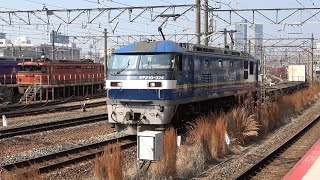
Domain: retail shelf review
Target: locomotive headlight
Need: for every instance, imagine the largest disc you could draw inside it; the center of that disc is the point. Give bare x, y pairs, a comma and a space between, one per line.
152, 84
155, 84
116, 84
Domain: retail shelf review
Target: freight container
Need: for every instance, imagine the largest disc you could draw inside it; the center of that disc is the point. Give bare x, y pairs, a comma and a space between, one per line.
297, 73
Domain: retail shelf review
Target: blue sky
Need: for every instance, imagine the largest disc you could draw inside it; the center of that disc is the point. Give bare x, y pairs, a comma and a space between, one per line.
39, 33
38, 4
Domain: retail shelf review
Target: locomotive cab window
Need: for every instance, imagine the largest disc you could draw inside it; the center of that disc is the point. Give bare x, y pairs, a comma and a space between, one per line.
156, 61
206, 63
120, 61
177, 62
220, 63
245, 64
245, 75
251, 67
29, 68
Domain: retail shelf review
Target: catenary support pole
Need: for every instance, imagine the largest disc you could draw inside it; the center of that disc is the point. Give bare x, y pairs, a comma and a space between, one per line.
206, 26
198, 21
105, 62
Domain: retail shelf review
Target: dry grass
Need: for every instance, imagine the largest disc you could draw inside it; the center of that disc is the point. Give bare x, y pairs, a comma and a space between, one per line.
286, 108
200, 136
219, 146
184, 162
241, 125
166, 167
100, 168
193, 156
32, 175
108, 165
301, 99
269, 117
206, 142
272, 115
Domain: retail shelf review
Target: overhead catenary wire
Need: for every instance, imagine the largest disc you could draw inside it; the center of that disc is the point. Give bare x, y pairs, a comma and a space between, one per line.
94, 28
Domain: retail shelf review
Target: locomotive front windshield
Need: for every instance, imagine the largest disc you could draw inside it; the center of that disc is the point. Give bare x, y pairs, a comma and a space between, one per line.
31, 68
155, 61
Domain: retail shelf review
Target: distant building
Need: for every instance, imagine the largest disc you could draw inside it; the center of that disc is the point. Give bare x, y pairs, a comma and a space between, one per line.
59, 38
257, 39
3, 40
241, 39
23, 47
241, 36
316, 57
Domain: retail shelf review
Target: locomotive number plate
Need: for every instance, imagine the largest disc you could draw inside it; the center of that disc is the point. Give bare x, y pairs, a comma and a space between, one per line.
152, 77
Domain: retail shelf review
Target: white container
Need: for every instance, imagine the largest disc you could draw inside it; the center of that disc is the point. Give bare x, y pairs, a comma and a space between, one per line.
297, 73
150, 145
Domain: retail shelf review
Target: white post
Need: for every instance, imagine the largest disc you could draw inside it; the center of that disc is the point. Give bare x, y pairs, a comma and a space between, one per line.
4, 121
227, 139
179, 141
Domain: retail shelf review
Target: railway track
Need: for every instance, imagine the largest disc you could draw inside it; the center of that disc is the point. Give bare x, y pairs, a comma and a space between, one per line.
49, 109
6, 133
265, 161
51, 162
15, 107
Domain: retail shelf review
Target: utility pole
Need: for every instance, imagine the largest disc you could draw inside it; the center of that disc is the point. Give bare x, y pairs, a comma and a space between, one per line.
206, 26
198, 21
249, 50
12, 51
225, 37
308, 75
105, 62
262, 66
263, 78
312, 60
53, 57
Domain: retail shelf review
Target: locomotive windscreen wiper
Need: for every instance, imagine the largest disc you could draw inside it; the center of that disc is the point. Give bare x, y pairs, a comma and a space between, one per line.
124, 68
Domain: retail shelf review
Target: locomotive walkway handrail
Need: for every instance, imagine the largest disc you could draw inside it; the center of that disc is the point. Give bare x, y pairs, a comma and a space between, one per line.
6, 77
74, 78
68, 78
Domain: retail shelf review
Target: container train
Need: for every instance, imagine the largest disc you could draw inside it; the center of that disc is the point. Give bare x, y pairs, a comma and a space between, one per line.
149, 84
57, 72
9, 68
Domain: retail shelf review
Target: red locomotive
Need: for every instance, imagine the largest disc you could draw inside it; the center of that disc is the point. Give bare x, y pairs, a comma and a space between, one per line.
278, 71
58, 73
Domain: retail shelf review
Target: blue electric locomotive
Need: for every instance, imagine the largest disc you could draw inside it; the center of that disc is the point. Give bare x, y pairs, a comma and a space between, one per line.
148, 81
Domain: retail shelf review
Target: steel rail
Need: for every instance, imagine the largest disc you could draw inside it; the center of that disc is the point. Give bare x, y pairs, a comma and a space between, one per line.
254, 169
15, 107
51, 162
50, 109
6, 133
